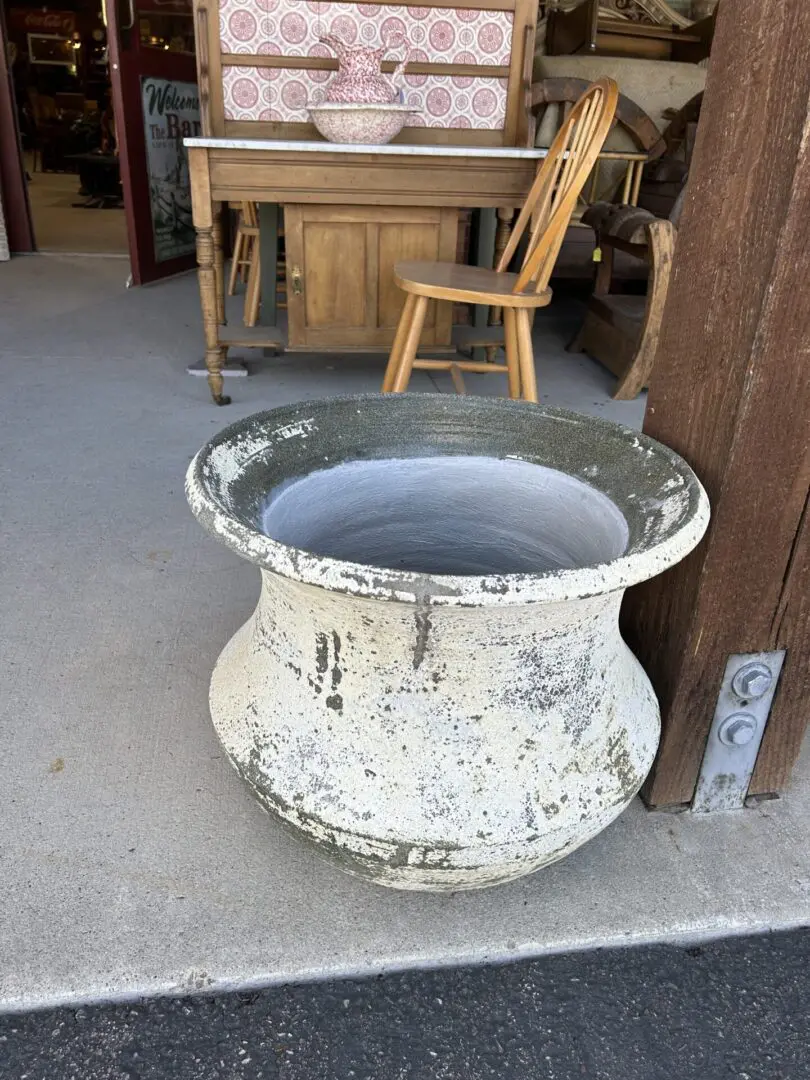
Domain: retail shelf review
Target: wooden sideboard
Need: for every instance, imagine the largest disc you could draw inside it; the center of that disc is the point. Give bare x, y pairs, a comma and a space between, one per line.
352, 212
400, 201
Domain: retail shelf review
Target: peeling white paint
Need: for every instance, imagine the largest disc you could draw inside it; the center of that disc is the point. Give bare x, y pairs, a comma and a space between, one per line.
302, 428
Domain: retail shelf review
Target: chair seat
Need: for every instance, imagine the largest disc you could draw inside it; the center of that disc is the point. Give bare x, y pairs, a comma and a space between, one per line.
466, 284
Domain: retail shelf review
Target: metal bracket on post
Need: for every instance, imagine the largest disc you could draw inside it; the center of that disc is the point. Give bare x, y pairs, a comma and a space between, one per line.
743, 707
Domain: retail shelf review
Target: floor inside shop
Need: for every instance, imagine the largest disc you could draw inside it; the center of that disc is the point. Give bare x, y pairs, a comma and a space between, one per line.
63, 224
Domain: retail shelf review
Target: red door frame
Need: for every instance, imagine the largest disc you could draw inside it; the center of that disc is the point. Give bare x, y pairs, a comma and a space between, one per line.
129, 61
14, 190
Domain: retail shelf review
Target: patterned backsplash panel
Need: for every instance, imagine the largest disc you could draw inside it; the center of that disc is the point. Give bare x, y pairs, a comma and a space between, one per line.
457, 101
292, 28
435, 35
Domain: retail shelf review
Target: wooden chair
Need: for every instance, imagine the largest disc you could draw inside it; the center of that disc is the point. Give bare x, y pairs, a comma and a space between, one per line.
246, 264
620, 330
548, 209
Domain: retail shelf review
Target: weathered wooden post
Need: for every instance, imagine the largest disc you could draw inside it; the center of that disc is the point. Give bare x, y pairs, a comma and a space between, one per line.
731, 393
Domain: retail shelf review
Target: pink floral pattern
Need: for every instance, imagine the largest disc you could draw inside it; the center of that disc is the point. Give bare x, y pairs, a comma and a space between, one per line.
295, 25
435, 35
440, 100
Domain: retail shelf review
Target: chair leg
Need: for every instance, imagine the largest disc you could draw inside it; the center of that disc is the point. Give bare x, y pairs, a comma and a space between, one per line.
410, 345
235, 262
527, 373
254, 286
247, 254
512, 352
458, 379
399, 340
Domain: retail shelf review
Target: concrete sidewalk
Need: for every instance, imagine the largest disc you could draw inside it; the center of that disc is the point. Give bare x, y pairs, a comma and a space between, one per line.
132, 859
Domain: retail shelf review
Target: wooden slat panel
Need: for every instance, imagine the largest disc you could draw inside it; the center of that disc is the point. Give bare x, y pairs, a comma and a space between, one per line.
207, 26
372, 273
416, 136
516, 124
334, 297
730, 392
359, 180
356, 180
427, 215
448, 252
471, 5
323, 63
399, 241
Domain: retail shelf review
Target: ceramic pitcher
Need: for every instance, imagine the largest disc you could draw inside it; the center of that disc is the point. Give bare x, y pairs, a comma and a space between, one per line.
360, 79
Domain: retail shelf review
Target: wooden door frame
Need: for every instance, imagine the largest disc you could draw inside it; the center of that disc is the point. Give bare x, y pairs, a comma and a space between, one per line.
730, 391
16, 208
130, 62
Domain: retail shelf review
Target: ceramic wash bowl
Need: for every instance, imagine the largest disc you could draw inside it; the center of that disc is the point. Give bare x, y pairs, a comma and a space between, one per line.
343, 122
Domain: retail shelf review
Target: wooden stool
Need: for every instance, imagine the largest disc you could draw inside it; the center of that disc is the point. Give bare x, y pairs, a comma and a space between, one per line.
246, 263
548, 209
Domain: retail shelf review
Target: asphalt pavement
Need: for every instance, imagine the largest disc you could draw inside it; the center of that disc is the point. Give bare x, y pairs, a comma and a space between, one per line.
730, 1010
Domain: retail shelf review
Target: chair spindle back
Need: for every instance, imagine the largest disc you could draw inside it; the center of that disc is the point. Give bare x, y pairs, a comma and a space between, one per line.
553, 195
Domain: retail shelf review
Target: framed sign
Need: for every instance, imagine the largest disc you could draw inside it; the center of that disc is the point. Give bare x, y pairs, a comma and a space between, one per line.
171, 113
53, 50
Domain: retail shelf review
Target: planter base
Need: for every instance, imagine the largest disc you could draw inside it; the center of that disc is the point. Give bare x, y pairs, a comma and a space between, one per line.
527, 770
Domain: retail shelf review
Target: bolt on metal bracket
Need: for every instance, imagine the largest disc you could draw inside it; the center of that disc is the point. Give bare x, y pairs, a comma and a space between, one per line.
743, 707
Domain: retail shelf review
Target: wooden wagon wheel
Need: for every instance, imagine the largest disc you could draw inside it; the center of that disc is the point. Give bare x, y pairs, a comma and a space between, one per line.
566, 91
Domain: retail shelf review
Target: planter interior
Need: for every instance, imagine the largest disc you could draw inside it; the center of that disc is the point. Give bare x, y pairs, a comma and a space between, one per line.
433, 688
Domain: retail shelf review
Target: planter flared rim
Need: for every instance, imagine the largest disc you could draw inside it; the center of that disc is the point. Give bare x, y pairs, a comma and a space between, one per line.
474, 590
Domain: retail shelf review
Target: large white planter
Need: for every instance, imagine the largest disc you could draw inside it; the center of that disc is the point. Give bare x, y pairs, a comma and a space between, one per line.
433, 688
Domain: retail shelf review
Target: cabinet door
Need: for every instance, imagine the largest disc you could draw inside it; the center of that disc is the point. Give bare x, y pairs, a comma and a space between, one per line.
341, 292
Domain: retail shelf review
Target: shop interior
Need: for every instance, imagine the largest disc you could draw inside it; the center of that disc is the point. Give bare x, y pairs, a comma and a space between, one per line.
60, 70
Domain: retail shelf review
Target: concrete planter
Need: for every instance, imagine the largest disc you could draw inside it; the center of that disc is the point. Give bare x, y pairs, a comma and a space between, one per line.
433, 688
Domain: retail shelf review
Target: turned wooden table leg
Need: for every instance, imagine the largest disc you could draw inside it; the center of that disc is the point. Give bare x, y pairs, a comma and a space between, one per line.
505, 215
207, 222
219, 259
207, 274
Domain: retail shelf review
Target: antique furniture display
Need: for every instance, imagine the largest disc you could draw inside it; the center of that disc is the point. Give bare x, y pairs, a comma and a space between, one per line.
548, 102
548, 208
650, 91
590, 28
620, 329
467, 80
310, 175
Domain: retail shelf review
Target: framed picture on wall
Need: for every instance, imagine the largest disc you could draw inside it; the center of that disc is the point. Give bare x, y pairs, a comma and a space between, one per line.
52, 49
